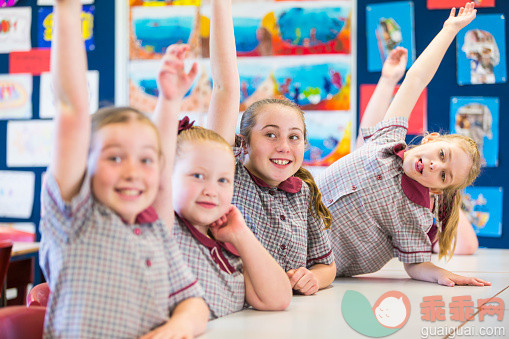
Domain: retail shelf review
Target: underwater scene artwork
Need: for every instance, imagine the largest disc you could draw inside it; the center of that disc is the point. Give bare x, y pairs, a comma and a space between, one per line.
483, 207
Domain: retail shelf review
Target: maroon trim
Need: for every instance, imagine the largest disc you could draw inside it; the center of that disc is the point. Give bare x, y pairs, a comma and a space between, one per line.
147, 216
323, 256
369, 136
396, 248
290, 185
183, 289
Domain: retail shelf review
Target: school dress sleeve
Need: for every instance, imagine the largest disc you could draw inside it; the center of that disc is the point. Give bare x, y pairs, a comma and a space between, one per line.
386, 131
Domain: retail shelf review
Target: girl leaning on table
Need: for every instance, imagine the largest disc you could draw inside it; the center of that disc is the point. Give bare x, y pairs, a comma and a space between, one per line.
112, 266
231, 265
379, 195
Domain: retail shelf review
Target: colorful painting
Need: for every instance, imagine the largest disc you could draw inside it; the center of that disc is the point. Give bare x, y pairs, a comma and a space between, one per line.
478, 118
417, 123
7, 3
328, 139
52, 2
16, 96
16, 194
389, 25
17, 231
483, 208
29, 143
15, 25
45, 34
153, 29
447, 4
481, 51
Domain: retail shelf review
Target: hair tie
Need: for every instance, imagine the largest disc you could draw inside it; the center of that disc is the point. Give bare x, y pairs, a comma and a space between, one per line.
184, 124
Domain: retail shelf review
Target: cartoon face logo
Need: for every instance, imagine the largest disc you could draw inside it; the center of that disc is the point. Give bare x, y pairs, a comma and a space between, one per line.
391, 312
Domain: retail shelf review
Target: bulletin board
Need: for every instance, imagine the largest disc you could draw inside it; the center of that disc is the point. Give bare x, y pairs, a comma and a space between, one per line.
20, 173
444, 92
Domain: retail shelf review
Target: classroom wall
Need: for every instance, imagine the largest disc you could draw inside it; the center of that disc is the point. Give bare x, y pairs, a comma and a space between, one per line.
443, 86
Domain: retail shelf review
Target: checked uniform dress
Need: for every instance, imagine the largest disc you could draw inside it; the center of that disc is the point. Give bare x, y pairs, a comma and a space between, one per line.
378, 212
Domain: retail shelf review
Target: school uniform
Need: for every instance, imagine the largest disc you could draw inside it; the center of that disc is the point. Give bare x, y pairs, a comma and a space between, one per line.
217, 266
107, 279
281, 218
378, 212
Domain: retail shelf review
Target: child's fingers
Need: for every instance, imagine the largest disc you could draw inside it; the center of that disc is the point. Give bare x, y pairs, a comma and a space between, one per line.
446, 282
462, 9
181, 52
453, 12
192, 74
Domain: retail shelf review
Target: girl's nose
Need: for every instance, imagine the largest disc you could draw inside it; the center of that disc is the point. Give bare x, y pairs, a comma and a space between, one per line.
209, 190
283, 146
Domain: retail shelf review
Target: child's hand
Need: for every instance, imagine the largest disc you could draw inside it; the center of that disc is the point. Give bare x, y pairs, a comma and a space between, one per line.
174, 330
173, 82
395, 64
447, 278
229, 226
303, 281
465, 16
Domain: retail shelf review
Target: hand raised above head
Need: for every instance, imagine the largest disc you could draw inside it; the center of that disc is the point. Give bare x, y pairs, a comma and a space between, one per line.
173, 82
465, 16
395, 64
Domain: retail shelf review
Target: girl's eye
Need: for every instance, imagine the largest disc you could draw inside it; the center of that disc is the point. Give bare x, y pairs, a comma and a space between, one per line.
116, 159
294, 137
443, 176
442, 154
197, 176
223, 180
147, 161
270, 135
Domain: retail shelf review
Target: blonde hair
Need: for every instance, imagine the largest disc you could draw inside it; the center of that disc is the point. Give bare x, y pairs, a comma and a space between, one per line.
246, 126
447, 205
200, 134
121, 115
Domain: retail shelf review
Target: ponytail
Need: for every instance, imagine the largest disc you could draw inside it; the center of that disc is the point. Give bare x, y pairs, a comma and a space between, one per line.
447, 209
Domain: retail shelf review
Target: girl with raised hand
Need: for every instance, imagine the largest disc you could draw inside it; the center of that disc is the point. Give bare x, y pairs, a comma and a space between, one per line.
231, 265
276, 195
379, 195
112, 266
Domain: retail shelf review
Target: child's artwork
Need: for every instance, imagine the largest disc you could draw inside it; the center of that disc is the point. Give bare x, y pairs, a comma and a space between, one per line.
483, 207
329, 138
7, 3
34, 61
46, 26
17, 231
481, 51
389, 25
15, 96
318, 27
442, 4
477, 118
153, 29
47, 100
159, 3
314, 83
15, 24
52, 2
16, 194
417, 123
29, 143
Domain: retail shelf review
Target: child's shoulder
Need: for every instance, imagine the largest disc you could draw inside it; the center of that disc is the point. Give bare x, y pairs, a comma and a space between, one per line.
386, 131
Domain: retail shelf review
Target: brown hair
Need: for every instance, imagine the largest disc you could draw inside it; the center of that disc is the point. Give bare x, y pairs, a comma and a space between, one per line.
118, 115
447, 205
200, 134
246, 125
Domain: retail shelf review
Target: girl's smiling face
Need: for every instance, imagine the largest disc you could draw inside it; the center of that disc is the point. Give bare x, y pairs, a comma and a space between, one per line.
275, 149
437, 165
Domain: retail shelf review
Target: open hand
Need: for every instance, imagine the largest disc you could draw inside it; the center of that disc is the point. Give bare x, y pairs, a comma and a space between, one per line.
303, 281
451, 279
173, 82
465, 16
395, 64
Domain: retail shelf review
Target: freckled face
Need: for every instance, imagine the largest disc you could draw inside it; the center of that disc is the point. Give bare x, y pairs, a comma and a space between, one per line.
276, 146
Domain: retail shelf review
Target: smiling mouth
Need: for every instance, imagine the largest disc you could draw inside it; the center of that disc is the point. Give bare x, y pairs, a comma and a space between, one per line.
419, 166
280, 162
128, 192
206, 204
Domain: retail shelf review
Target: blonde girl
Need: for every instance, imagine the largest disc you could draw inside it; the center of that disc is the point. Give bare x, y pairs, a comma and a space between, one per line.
112, 266
379, 195
277, 197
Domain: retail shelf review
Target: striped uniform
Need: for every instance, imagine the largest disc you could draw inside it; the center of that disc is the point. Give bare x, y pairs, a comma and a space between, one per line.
378, 211
217, 266
107, 279
281, 219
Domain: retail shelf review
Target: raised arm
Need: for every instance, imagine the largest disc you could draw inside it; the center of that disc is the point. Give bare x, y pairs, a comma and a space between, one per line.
425, 67
392, 72
224, 103
173, 83
72, 121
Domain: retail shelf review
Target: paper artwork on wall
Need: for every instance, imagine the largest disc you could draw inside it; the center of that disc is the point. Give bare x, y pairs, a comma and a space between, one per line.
478, 118
47, 100
15, 96
16, 194
481, 51
389, 25
417, 123
29, 143
45, 31
483, 208
52, 2
15, 29
7, 3
17, 231
447, 4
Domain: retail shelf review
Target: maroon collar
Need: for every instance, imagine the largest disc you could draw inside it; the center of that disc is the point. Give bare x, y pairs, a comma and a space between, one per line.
414, 191
147, 216
206, 241
290, 185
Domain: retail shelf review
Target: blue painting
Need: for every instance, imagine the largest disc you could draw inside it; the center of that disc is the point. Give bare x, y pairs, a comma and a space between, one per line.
389, 25
478, 118
481, 51
483, 207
